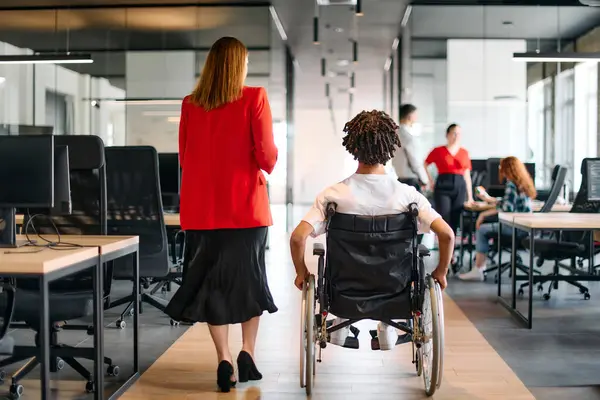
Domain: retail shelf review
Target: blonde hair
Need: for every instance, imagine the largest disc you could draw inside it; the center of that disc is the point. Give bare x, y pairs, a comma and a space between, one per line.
223, 74
514, 170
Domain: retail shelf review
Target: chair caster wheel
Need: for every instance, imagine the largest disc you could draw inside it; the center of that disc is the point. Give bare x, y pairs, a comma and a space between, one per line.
546, 296
163, 289
2, 376
586, 296
131, 312
90, 331
174, 323
540, 288
582, 291
113, 370
16, 391
121, 324
60, 364
521, 292
90, 387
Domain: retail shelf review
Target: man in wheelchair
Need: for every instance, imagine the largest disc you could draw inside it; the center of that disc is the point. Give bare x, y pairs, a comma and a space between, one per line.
372, 138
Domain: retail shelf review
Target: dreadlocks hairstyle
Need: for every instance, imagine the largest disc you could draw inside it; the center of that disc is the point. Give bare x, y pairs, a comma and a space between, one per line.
371, 137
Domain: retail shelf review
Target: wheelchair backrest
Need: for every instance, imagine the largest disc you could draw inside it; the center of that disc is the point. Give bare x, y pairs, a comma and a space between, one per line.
370, 253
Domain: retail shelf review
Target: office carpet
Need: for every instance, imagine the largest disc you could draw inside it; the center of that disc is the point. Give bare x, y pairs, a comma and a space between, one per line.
559, 357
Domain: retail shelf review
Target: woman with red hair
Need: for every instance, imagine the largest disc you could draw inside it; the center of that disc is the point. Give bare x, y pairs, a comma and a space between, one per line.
518, 193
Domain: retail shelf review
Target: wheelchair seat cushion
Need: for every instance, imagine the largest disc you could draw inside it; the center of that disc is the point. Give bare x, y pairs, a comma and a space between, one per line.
369, 266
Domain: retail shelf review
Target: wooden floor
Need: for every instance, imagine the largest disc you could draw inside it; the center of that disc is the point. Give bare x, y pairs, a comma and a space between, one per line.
472, 369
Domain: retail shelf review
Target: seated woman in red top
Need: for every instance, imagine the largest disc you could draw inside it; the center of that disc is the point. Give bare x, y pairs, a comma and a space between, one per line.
225, 140
453, 185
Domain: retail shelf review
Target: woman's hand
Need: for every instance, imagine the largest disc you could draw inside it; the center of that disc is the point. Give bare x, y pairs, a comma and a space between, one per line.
301, 278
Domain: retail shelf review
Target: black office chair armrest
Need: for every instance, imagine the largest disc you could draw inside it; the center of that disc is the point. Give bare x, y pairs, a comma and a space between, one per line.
318, 249
491, 219
423, 251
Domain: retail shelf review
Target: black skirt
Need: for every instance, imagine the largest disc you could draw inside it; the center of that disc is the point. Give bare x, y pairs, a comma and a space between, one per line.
224, 277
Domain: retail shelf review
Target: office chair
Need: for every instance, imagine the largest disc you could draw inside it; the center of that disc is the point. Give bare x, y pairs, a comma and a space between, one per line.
71, 298
135, 208
568, 245
558, 178
7, 306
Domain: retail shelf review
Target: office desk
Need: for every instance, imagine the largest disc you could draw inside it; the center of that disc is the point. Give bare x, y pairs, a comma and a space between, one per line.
472, 210
533, 223
49, 265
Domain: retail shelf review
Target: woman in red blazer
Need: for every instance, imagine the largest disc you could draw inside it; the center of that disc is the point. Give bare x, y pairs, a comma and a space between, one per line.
225, 140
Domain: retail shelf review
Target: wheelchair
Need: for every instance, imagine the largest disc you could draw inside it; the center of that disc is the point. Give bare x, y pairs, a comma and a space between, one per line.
373, 269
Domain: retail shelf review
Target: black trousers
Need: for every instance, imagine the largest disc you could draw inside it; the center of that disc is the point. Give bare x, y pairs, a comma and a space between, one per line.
449, 195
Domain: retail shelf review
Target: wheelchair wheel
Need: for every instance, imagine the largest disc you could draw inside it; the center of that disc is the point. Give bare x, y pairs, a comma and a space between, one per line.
307, 350
431, 353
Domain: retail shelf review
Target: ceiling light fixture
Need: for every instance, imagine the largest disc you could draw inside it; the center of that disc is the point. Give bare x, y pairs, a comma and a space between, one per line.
139, 101
327, 90
395, 44
278, 23
355, 51
406, 16
343, 63
316, 25
556, 57
358, 8
352, 80
323, 66
47, 59
388, 64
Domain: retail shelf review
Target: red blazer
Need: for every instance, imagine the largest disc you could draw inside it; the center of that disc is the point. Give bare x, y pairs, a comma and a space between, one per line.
222, 152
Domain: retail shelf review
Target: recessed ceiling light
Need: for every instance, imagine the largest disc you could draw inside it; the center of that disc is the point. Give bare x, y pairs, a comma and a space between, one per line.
343, 63
331, 74
339, 30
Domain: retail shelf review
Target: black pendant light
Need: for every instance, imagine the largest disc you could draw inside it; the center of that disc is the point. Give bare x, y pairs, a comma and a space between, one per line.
358, 8
323, 66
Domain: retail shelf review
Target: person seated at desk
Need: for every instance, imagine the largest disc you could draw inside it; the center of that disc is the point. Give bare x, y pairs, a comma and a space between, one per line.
519, 191
372, 139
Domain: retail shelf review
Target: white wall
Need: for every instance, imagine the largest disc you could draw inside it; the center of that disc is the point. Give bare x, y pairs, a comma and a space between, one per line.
320, 160
480, 74
429, 96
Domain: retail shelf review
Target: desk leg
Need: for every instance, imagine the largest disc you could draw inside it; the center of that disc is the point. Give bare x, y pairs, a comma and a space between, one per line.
136, 314
513, 269
471, 231
462, 234
44, 338
499, 270
531, 257
591, 263
99, 329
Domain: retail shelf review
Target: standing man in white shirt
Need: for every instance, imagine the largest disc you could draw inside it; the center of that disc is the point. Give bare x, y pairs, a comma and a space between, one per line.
372, 138
408, 168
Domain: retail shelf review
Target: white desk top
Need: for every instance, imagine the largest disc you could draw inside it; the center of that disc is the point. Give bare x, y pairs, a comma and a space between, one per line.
552, 220
25, 260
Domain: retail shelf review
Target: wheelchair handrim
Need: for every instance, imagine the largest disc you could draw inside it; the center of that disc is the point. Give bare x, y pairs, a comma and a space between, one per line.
303, 337
430, 350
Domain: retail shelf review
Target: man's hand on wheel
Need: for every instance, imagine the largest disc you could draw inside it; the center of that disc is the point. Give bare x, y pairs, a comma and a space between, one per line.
301, 278
439, 274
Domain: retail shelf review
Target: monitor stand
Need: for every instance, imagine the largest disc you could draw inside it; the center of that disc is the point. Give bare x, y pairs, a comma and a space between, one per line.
8, 229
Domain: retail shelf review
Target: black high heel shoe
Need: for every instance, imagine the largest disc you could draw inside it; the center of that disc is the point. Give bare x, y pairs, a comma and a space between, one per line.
247, 369
224, 374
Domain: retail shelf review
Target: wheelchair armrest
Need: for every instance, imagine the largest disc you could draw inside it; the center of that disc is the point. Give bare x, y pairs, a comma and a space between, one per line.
318, 249
423, 251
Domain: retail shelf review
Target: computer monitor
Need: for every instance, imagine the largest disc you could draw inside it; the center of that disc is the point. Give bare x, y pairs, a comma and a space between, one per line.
170, 179
26, 179
593, 179
62, 182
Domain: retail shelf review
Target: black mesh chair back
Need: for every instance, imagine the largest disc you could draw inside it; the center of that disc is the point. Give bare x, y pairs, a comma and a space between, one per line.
7, 306
369, 265
479, 174
135, 207
558, 179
